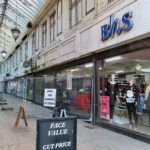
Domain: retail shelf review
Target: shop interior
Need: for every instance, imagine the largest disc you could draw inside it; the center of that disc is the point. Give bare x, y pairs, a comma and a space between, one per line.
123, 72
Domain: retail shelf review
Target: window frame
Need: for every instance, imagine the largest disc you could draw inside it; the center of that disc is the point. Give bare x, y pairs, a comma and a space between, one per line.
44, 34
37, 38
21, 56
90, 10
26, 50
52, 17
59, 1
33, 43
71, 6
110, 1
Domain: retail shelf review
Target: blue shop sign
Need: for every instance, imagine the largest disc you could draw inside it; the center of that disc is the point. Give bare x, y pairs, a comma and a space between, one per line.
116, 26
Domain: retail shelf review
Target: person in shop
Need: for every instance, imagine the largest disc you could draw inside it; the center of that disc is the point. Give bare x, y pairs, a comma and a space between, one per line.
147, 99
131, 102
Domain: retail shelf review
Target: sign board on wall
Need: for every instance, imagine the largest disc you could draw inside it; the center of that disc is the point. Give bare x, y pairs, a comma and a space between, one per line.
50, 97
104, 107
57, 134
117, 26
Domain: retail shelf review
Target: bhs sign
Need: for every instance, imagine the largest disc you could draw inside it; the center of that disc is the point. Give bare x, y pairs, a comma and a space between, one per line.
116, 26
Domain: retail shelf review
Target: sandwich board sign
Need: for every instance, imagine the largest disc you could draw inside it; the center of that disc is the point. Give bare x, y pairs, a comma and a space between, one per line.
57, 134
50, 98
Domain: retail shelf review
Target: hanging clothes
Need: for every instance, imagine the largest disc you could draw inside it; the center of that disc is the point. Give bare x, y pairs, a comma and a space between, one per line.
140, 104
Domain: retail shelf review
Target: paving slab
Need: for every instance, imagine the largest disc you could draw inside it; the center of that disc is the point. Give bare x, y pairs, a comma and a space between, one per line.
88, 137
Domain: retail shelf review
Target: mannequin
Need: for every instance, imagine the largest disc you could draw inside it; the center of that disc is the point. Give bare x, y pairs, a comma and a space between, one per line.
131, 101
112, 94
147, 99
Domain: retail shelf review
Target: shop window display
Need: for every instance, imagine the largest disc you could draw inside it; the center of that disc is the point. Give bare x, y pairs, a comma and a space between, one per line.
74, 89
125, 79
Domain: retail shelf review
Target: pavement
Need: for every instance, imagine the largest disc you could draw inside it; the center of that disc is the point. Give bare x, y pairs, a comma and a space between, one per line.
88, 137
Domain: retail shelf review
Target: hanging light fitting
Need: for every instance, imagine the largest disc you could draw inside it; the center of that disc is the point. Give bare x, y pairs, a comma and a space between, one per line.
15, 31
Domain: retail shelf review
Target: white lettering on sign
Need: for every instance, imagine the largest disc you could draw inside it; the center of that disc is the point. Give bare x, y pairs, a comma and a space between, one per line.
58, 125
63, 144
57, 132
49, 146
57, 145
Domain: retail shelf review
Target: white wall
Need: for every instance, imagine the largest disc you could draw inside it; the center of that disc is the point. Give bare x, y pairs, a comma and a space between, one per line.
85, 38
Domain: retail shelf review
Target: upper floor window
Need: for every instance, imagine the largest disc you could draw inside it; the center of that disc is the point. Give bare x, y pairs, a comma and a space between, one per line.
17, 56
37, 38
90, 5
44, 34
33, 43
13, 61
75, 12
10, 63
26, 50
21, 56
59, 17
1, 69
7, 65
4, 68
109, 1
52, 28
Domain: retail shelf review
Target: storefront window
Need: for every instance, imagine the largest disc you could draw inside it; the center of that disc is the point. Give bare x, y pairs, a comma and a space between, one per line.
11, 87
124, 90
39, 90
30, 88
76, 88
73, 88
20, 86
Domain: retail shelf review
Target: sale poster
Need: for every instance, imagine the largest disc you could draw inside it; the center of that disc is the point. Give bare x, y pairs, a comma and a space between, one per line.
104, 107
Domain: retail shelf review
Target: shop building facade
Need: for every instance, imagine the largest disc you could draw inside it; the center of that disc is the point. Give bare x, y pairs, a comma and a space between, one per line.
96, 53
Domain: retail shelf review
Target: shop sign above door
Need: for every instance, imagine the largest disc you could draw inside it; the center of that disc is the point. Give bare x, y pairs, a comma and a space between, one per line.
116, 26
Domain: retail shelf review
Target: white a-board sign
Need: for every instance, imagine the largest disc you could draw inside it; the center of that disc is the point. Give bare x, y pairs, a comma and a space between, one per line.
50, 97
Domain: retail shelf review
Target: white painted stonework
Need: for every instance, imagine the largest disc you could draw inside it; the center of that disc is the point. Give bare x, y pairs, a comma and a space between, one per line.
85, 38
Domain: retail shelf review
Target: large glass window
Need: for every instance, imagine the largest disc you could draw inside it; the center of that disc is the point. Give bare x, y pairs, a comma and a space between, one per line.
39, 90
44, 34
30, 89
124, 83
75, 87
75, 12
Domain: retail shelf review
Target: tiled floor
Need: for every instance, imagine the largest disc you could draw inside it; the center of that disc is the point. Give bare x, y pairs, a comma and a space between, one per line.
23, 138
